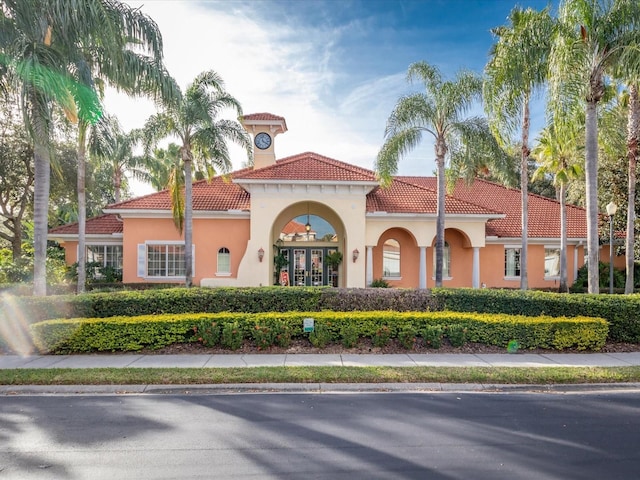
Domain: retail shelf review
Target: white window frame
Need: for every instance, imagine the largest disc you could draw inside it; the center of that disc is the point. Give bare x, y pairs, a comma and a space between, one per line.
512, 247
143, 256
219, 272
551, 247
385, 257
104, 254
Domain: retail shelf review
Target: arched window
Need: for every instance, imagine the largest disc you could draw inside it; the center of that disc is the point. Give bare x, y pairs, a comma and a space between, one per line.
224, 261
446, 261
391, 258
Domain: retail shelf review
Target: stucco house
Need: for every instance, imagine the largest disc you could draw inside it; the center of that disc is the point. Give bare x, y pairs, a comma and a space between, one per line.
299, 209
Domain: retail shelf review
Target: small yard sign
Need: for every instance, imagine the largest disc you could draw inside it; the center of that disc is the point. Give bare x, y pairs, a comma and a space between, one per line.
307, 324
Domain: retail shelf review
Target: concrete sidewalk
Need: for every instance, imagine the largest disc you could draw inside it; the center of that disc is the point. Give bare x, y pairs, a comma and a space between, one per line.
325, 360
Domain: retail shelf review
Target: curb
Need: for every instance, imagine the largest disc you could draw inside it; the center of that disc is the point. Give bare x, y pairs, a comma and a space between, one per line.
311, 388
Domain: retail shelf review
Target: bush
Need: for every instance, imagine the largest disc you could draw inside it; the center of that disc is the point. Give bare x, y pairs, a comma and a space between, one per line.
457, 335
156, 331
320, 336
379, 283
432, 336
208, 333
621, 311
269, 333
381, 336
582, 280
407, 337
232, 336
349, 334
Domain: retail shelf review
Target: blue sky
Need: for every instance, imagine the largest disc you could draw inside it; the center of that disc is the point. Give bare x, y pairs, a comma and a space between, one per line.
334, 69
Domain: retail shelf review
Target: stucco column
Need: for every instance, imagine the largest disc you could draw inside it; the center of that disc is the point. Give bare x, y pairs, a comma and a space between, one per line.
423, 268
369, 274
575, 265
475, 282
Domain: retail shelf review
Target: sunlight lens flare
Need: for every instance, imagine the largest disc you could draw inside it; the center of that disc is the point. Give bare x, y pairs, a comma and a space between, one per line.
14, 327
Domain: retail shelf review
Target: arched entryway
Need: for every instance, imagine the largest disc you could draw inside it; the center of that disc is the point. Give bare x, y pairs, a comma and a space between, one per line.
308, 246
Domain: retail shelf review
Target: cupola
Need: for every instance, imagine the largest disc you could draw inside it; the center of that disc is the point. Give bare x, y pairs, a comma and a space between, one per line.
263, 128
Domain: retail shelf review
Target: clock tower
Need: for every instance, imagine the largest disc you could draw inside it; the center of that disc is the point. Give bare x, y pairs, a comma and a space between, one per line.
263, 127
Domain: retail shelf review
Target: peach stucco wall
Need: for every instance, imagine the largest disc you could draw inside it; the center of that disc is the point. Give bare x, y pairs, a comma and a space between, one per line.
491, 262
208, 237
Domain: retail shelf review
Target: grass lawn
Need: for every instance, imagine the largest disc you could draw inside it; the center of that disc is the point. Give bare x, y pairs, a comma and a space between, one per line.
185, 376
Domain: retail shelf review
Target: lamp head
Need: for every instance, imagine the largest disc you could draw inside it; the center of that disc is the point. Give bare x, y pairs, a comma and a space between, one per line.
612, 208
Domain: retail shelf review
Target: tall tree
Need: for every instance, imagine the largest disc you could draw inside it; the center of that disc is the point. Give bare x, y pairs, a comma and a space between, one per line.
127, 54
115, 150
162, 165
55, 49
203, 137
440, 112
16, 181
517, 67
558, 151
592, 37
36, 39
633, 151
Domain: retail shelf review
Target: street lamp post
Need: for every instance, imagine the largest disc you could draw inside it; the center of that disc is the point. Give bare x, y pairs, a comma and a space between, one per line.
611, 211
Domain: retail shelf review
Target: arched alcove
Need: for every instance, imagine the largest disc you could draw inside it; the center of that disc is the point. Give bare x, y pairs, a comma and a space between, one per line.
308, 239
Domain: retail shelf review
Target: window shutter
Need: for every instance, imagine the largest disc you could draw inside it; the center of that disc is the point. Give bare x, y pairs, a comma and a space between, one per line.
142, 260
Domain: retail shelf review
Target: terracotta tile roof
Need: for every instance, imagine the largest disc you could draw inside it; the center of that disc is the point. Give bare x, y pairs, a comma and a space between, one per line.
293, 227
310, 167
102, 225
263, 116
411, 197
218, 194
544, 213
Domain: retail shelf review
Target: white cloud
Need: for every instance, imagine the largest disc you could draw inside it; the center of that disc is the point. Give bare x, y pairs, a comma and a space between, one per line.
279, 69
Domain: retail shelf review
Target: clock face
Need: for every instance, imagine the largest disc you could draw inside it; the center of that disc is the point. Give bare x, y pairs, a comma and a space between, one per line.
263, 141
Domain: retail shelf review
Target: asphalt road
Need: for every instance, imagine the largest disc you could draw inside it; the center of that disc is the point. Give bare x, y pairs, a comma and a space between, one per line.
471, 436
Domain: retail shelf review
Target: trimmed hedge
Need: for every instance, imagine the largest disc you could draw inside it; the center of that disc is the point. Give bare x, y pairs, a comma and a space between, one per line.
156, 331
621, 311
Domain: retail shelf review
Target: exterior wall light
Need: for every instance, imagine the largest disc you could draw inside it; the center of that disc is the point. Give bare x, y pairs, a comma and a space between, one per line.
261, 254
356, 254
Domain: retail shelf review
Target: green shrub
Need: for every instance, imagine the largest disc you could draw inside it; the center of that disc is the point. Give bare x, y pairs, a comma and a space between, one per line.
232, 336
621, 311
407, 337
271, 332
379, 283
349, 334
208, 333
156, 331
381, 336
321, 336
432, 336
457, 335
582, 280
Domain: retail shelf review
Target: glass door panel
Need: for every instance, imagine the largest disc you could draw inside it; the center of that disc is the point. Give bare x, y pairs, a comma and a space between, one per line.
299, 267
316, 267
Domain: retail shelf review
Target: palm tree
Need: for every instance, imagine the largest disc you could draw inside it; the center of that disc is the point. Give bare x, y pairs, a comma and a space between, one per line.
132, 72
52, 49
35, 42
592, 37
203, 139
439, 111
517, 67
115, 149
633, 151
558, 153
162, 164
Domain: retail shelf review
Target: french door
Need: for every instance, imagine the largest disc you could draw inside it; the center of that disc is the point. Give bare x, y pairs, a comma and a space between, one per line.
306, 266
